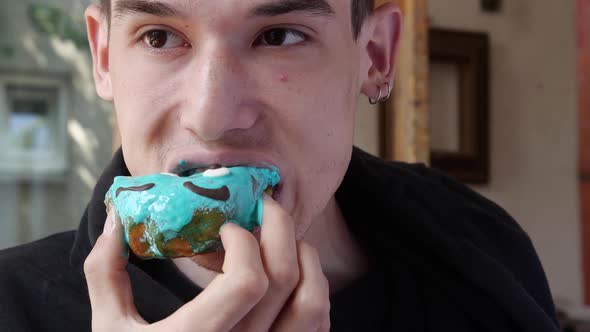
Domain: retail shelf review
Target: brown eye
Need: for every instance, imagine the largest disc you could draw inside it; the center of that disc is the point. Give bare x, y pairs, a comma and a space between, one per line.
163, 39
275, 37
156, 38
281, 37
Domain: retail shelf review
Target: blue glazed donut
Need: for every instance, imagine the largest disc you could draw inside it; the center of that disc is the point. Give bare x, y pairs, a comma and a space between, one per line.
166, 215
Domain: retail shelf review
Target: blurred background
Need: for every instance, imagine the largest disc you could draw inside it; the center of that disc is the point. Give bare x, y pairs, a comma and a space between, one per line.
493, 92
55, 134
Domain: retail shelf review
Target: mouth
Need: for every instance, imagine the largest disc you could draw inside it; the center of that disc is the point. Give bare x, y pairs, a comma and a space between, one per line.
184, 169
188, 171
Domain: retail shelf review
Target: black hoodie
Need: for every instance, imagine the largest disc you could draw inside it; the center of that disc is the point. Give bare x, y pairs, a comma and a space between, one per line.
442, 257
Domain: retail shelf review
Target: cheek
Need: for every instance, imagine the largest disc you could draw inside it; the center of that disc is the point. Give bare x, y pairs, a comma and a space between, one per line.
143, 102
315, 105
143, 94
318, 124
283, 78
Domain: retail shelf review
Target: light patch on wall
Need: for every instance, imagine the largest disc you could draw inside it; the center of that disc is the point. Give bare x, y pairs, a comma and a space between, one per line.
366, 133
444, 107
86, 176
68, 51
84, 138
31, 46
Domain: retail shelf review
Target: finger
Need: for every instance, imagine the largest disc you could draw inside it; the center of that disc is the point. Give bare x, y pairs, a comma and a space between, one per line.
278, 249
108, 283
230, 296
309, 307
325, 327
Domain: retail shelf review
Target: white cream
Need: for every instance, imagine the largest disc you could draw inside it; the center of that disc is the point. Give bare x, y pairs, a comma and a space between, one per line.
217, 172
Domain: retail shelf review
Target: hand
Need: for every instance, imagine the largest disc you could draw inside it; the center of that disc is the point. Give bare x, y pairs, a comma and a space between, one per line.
297, 296
277, 285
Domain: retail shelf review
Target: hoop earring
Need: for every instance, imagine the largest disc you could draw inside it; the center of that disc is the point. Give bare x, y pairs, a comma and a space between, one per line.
388, 92
375, 101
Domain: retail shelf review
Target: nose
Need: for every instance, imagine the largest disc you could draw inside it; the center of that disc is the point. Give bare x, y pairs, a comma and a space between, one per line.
217, 96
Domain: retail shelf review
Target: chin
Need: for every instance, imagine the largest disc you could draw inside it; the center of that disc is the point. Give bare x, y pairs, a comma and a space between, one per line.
302, 226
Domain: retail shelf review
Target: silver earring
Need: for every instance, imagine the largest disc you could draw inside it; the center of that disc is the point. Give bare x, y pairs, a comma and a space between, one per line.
375, 101
388, 92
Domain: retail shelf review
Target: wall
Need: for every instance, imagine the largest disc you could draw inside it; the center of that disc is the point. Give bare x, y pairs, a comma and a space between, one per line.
367, 127
33, 209
533, 124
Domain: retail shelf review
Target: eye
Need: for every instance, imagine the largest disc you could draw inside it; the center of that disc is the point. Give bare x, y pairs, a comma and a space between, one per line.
163, 39
281, 37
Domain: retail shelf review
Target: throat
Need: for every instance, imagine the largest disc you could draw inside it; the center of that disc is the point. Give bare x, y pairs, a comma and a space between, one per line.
342, 258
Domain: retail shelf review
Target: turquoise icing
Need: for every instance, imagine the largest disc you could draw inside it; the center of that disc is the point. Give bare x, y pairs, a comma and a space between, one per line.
171, 206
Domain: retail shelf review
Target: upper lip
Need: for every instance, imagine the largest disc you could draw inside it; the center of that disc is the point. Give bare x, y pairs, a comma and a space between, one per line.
201, 159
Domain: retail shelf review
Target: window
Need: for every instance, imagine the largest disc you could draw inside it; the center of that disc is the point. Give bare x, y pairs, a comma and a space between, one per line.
32, 127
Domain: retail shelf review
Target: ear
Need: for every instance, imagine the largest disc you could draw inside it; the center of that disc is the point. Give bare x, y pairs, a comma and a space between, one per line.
381, 41
98, 38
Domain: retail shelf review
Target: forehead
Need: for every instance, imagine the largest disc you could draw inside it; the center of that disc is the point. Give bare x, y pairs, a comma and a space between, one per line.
252, 8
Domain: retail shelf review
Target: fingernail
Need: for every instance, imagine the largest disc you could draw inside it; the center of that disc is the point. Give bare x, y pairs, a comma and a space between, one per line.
109, 226
227, 224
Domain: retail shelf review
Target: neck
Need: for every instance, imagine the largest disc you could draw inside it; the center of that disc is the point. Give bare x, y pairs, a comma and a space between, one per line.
341, 257
343, 261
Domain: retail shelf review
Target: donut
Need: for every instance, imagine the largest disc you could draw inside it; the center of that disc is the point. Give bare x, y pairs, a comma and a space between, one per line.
168, 216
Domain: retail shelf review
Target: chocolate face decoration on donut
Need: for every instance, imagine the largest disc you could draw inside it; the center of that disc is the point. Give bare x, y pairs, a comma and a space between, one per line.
165, 215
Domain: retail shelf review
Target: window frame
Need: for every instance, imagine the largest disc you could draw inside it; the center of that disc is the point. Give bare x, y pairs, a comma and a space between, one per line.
15, 165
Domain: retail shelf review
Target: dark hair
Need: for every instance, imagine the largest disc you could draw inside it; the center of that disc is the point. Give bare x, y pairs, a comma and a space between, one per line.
360, 10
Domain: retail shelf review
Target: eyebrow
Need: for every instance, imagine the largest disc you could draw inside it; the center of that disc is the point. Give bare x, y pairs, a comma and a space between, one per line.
281, 7
125, 7
274, 8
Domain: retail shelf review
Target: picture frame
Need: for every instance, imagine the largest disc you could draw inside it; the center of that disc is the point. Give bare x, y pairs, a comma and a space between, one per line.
459, 104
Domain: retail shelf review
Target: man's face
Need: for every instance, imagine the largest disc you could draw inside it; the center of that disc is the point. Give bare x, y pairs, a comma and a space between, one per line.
238, 82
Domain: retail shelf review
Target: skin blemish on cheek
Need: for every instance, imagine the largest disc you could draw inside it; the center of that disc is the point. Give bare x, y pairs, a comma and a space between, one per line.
283, 77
